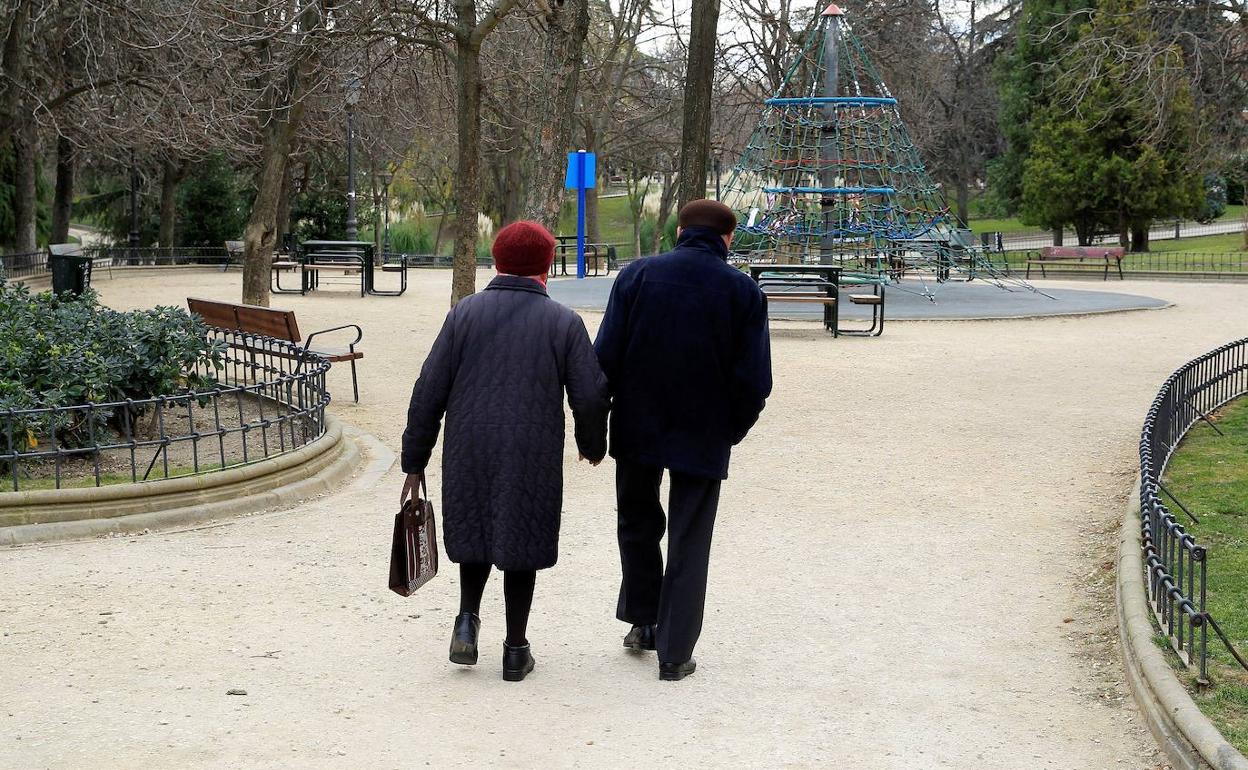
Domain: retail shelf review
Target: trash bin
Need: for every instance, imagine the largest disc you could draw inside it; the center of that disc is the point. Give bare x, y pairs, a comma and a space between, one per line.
70, 273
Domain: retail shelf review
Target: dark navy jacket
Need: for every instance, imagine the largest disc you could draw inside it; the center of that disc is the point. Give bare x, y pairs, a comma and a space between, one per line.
685, 348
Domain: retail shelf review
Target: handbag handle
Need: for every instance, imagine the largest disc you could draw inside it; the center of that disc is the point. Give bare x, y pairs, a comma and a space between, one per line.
424, 491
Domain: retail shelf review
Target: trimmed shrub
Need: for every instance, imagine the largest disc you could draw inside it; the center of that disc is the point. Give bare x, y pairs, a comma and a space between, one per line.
63, 351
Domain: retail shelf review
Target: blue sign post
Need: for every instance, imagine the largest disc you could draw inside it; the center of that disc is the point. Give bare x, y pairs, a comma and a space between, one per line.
582, 175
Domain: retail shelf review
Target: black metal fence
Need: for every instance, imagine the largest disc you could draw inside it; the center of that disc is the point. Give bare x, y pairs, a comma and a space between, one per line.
1181, 264
1175, 564
269, 398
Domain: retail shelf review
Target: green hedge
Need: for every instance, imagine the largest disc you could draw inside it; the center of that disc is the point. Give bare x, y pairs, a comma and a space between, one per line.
58, 351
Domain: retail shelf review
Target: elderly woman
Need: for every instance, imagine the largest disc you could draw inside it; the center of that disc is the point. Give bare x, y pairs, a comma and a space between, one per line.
498, 371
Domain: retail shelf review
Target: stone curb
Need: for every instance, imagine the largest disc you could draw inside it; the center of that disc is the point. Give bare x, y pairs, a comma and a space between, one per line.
295, 482
1186, 736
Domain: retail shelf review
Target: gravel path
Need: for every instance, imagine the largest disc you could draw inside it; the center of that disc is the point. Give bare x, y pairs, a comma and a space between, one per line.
910, 571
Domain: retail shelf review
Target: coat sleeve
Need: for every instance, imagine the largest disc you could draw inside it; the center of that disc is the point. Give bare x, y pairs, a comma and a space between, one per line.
429, 399
587, 393
613, 332
751, 374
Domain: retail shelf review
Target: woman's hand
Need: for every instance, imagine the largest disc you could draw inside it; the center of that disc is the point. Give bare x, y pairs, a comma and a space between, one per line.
410, 485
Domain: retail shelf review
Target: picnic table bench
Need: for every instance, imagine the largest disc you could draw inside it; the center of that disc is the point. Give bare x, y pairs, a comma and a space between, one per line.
817, 284
279, 324
1067, 257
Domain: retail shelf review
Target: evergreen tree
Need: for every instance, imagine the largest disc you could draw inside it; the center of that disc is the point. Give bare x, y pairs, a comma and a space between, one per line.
1025, 78
1118, 158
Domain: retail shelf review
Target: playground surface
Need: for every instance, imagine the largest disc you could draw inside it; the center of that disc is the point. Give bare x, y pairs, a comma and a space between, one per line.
955, 300
911, 569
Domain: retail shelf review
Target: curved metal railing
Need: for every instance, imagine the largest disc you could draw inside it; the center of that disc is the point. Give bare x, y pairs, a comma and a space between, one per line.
268, 398
1175, 564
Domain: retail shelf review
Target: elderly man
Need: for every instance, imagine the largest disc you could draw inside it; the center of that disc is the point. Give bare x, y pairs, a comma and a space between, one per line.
685, 348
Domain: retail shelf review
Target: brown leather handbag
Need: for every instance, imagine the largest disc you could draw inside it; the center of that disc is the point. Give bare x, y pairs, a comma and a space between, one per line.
414, 552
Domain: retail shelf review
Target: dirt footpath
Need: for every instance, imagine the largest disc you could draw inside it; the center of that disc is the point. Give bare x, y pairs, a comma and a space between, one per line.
909, 571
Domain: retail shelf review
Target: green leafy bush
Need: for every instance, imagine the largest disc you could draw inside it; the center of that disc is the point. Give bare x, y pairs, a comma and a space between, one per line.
62, 351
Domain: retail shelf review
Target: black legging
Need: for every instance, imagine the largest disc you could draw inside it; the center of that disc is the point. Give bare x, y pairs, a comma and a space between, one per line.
517, 590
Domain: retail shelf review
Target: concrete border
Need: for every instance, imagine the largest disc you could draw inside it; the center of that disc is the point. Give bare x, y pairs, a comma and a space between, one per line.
311, 470
1186, 736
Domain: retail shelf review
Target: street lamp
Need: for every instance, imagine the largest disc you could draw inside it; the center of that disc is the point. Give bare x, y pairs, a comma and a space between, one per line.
134, 203
717, 158
385, 178
353, 98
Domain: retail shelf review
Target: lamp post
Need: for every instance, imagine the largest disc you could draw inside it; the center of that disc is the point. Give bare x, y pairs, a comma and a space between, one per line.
385, 178
134, 203
296, 186
353, 98
716, 158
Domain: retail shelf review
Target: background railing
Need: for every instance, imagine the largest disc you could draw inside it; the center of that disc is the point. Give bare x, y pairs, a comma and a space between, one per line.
269, 398
1188, 264
1175, 564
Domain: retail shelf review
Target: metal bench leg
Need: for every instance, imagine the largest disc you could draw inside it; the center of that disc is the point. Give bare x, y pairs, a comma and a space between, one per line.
355, 383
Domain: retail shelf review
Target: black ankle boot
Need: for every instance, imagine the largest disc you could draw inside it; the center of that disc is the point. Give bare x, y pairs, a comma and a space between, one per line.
517, 662
464, 639
674, 672
640, 638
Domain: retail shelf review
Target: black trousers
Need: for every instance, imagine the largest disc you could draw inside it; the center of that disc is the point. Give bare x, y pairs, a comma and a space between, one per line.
673, 598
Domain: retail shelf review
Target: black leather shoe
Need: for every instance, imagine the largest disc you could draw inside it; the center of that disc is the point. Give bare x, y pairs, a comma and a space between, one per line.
674, 672
464, 639
517, 662
640, 638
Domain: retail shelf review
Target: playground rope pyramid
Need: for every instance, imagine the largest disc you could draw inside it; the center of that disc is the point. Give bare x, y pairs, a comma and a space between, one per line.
831, 176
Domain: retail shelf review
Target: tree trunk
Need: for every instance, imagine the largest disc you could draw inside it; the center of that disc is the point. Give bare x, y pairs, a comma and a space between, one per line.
567, 24
63, 198
1059, 235
172, 174
963, 193
1139, 237
695, 136
666, 198
1244, 215
592, 228
260, 234
25, 203
468, 162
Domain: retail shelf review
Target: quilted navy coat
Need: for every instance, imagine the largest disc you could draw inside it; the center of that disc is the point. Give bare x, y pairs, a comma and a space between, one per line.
498, 371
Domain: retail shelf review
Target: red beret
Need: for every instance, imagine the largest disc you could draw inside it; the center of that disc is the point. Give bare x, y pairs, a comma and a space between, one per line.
523, 248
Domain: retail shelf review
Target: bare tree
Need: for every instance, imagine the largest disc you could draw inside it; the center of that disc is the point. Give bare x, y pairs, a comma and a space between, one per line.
695, 141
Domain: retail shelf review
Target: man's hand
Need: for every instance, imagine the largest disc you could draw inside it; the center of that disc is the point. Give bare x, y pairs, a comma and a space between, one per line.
580, 458
410, 485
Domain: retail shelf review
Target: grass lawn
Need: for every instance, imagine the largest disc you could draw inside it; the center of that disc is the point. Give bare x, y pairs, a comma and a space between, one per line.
80, 480
1206, 244
1209, 473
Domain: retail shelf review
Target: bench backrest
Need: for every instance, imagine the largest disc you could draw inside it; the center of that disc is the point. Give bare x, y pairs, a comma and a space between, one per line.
247, 318
65, 249
234, 249
1082, 252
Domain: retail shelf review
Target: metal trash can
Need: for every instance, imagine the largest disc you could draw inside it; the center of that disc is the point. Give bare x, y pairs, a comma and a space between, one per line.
70, 273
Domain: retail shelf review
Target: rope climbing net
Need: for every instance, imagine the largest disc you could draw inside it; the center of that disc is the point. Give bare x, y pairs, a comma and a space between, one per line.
832, 176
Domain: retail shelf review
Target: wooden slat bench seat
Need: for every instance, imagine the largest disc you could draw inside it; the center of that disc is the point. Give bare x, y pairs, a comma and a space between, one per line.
1075, 257
279, 324
808, 290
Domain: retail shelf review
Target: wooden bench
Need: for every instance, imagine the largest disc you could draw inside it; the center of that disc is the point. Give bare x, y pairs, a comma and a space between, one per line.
1068, 257
279, 324
807, 290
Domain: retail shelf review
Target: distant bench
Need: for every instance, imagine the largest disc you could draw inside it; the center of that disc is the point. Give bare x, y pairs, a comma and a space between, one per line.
1067, 257
279, 324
